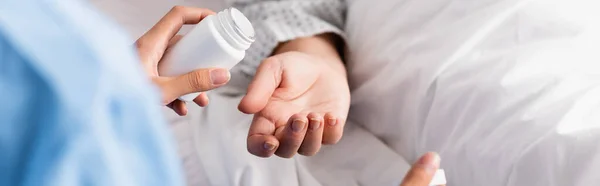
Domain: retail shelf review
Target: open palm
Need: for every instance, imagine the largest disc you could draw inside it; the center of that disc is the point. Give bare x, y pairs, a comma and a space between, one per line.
298, 104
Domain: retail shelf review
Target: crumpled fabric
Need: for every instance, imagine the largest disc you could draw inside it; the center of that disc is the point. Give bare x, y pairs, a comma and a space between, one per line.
507, 91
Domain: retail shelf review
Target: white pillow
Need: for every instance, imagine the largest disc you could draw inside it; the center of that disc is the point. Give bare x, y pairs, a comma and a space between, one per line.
508, 91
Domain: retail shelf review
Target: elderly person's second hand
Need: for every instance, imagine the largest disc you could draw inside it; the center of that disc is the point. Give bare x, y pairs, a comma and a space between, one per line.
423, 171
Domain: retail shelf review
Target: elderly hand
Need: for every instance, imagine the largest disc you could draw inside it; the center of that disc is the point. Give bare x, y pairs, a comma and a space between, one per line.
152, 46
422, 171
299, 102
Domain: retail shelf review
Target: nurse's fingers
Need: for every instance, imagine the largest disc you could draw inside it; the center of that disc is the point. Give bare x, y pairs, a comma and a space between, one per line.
179, 107
153, 43
174, 40
314, 135
196, 81
261, 141
201, 100
151, 67
333, 129
422, 171
291, 135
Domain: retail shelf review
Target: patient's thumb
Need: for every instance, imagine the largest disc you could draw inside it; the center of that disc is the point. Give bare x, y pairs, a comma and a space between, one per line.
422, 171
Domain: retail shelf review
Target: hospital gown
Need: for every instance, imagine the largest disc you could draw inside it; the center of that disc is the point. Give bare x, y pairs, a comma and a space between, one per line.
284, 20
75, 108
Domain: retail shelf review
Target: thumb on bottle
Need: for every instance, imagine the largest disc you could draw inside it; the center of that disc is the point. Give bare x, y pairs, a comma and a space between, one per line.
196, 81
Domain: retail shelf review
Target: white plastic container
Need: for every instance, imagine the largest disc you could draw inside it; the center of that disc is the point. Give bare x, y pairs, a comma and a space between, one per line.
439, 178
219, 40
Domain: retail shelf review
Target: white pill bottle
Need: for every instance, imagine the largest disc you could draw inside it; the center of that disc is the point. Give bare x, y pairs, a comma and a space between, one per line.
439, 178
219, 40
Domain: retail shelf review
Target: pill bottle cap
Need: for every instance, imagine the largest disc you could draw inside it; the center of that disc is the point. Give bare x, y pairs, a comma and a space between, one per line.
235, 28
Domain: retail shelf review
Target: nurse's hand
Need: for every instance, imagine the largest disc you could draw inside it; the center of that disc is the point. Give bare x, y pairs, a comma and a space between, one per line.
300, 100
422, 171
153, 44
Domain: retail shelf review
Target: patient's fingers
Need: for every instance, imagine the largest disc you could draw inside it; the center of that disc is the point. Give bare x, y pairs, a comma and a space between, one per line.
422, 171
333, 129
291, 135
261, 141
267, 79
314, 135
262, 145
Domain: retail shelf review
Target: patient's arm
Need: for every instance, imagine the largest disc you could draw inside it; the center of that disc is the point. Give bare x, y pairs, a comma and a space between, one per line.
327, 46
299, 95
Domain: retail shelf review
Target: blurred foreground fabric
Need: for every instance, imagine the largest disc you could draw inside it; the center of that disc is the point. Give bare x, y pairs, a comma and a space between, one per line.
76, 109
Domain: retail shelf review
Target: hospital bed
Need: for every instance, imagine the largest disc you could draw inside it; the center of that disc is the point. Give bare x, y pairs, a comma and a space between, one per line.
523, 132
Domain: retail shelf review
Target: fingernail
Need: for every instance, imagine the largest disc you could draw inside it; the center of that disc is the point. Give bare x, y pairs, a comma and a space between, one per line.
332, 121
314, 124
298, 125
430, 161
269, 146
219, 76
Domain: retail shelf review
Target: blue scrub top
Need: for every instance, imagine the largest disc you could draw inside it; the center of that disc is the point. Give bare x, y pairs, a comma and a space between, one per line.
75, 106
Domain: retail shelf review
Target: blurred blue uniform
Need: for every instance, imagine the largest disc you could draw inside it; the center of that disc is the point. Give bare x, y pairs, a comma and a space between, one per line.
75, 107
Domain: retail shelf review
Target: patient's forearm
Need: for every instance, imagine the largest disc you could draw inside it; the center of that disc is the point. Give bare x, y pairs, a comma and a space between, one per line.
324, 45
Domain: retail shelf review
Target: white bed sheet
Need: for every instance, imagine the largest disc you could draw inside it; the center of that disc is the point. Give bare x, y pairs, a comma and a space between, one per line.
212, 140
507, 91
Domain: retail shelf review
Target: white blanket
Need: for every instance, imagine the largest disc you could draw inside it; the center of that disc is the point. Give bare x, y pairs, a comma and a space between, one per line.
508, 91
